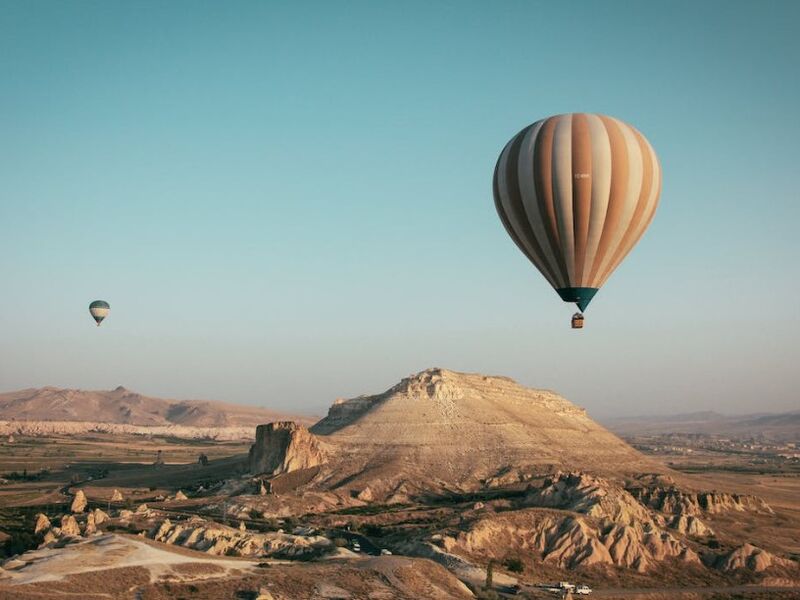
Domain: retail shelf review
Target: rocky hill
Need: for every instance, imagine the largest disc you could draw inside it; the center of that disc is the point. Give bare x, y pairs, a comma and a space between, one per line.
440, 430
123, 406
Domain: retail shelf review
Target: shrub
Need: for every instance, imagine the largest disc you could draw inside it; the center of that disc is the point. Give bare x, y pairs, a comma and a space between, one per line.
514, 564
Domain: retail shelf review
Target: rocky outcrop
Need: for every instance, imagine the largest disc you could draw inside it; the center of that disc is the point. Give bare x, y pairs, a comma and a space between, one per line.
180, 496
42, 523
600, 498
69, 526
442, 431
79, 502
220, 540
750, 558
117, 496
284, 446
593, 496
443, 389
125, 516
691, 526
672, 500
90, 527
570, 541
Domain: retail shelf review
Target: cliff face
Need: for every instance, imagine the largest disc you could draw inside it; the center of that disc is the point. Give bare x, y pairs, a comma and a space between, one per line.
284, 446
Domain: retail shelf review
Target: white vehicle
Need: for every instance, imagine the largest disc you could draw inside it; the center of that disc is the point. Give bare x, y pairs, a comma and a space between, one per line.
566, 585
584, 590
386, 552
356, 547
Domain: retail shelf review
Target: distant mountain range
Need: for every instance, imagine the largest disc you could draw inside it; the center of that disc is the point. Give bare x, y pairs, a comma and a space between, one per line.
783, 426
126, 407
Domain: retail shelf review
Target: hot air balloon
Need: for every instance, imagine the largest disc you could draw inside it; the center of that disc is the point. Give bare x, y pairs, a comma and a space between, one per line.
576, 192
99, 310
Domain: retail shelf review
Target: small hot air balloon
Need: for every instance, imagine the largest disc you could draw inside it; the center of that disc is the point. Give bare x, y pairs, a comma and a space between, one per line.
576, 192
99, 310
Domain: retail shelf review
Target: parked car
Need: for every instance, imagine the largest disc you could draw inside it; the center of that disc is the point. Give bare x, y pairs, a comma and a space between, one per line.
386, 552
566, 585
584, 590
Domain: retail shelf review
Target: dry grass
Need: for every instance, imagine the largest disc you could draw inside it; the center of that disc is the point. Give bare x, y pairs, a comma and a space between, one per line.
110, 583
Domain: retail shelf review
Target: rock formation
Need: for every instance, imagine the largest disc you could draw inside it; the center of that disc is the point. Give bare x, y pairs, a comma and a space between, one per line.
751, 558
90, 527
440, 430
42, 523
284, 446
569, 541
69, 526
117, 496
598, 522
220, 540
672, 500
591, 495
100, 516
79, 502
180, 496
691, 526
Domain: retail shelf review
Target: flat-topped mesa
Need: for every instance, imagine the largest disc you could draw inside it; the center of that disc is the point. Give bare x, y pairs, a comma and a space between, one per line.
440, 429
446, 393
284, 446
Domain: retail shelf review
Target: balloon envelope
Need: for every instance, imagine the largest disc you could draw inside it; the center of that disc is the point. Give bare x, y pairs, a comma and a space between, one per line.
99, 310
576, 192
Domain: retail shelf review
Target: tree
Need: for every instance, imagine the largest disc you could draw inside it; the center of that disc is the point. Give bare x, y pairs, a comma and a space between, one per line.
489, 574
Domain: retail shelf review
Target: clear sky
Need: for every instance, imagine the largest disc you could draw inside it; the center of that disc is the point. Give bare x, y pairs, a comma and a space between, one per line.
289, 202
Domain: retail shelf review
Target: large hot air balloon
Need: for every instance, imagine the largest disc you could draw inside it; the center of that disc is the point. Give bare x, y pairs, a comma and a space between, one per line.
576, 192
99, 310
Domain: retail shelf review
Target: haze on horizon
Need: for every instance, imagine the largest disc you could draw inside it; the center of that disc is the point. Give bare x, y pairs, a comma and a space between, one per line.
288, 203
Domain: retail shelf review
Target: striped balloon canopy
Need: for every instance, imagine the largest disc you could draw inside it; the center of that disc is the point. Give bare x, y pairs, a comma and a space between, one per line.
576, 192
99, 310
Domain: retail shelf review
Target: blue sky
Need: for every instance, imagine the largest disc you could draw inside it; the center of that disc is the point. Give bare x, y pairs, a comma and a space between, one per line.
289, 202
